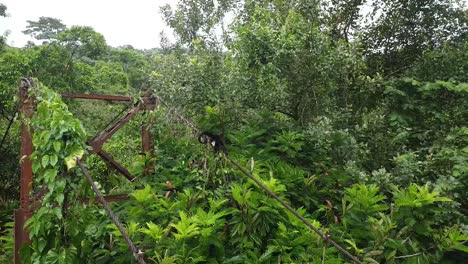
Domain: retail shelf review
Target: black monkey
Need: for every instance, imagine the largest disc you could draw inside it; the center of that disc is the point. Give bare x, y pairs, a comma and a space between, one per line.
215, 141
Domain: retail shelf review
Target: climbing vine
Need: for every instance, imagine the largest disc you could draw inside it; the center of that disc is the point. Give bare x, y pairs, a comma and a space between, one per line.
58, 138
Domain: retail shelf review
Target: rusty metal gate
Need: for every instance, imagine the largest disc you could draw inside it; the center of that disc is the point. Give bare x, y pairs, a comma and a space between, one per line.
26, 110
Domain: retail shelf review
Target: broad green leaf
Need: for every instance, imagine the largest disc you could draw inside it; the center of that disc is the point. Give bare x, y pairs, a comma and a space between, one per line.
36, 166
53, 160
45, 161
60, 198
50, 174
41, 244
57, 146
58, 212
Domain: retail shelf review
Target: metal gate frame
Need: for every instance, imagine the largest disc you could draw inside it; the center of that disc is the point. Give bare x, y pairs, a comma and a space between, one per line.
26, 110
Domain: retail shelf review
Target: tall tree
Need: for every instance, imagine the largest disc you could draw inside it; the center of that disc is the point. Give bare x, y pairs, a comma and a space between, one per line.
401, 30
342, 18
83, 41
195, 19
46, 28
3, 9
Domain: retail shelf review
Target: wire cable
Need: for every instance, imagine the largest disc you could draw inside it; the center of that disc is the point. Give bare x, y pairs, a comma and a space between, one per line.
137, 254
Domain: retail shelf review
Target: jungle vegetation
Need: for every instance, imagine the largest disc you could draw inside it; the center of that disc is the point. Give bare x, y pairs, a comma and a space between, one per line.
354, 112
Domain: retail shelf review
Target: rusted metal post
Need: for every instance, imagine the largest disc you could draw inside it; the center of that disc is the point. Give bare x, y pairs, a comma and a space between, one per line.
149, 104
147, 145
146, 138
26, 112
22, 214
20, 236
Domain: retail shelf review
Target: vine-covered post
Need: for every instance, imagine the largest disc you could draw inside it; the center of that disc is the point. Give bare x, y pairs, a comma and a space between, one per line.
149, 103
26, 102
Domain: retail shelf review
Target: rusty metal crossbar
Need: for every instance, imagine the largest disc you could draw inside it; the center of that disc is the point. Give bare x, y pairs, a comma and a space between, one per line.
109, 160
99, 140
97, 97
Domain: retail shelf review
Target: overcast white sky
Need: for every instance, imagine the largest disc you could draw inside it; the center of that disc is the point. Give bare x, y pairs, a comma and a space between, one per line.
122, 22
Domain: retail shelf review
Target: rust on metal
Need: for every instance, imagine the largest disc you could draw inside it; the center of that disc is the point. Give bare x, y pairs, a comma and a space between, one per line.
109, 160
19, 219
98, 141
97, 97
147, 146
22, 214
146, 139
149, 103
149, 100
27, 102
26, 111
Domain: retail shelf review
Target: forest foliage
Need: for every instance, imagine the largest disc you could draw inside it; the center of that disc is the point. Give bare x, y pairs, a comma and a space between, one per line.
354, 112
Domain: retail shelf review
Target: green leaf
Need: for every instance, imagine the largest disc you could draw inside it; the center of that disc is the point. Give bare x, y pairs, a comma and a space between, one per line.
185, 228
36, 166
50, 174
417, 196
57, 146
45, 161
58, 212
60, 198
53, 160
353, 245
461, 247
41, 244
70, 160
154, 231
144, 194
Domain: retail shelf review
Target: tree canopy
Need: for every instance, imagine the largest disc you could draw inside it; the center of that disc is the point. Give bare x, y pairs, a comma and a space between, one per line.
46, 28
3, 9
353, 112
